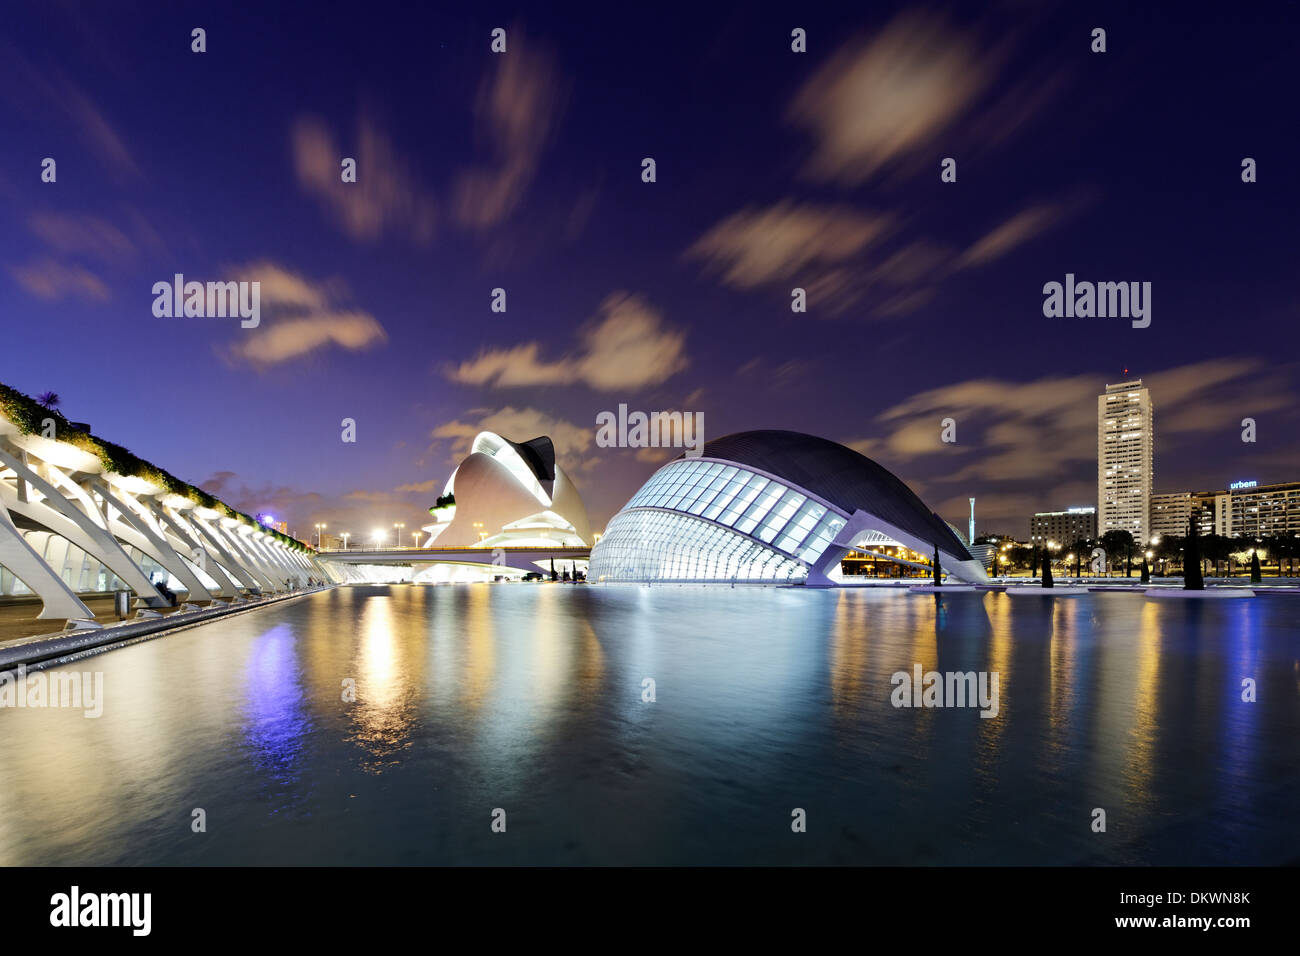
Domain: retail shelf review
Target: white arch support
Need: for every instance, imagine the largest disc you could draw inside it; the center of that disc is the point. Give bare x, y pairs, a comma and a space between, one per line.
192, 542
133, 529
862, 524
58, 600
62, 516
251, 561
238, 566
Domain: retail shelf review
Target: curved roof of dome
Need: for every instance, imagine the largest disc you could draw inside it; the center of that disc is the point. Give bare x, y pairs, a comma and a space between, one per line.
838, 474
537, 453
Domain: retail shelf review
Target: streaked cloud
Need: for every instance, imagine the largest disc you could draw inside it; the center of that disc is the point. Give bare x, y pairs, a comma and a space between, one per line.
1009, 430
884, 98
518, 108
757, 246
49, 279
1020, 228
89, 236
388, 196
300, 317
46, 90
628, 345
287, 339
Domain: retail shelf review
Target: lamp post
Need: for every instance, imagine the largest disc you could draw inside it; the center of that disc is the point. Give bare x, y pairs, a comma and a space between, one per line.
319, 528
379, 537
415, 539
345, 535
398, 535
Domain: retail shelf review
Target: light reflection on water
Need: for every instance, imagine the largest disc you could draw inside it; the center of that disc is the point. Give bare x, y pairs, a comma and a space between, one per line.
529, 698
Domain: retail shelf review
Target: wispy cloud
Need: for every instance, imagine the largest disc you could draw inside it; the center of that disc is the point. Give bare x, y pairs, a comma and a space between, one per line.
52, 280
893, 102
59, 96
305, 316
518, 108
1020, 228
757, 246
881, 99
628, 345
387, 197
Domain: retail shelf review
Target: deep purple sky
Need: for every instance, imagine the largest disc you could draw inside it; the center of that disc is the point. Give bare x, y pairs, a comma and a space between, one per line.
775, 170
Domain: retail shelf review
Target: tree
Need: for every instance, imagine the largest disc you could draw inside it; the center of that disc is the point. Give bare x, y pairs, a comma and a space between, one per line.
1216, 548
1277, 545
1146, 571
1047, 570
1254, 567
1117, 544
1033, 562
937, 581
1193, 580
1082, 550
49, 400
1169, 548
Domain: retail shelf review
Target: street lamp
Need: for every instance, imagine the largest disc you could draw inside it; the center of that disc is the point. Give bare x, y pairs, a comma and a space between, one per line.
319, 528
379, 537
345, 535
415, 536
398, 536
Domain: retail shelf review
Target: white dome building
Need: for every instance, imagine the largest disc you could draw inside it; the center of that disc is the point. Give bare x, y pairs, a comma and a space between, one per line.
506, 494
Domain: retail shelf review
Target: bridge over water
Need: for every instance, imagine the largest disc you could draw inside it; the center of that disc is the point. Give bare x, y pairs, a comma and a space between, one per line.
526, 559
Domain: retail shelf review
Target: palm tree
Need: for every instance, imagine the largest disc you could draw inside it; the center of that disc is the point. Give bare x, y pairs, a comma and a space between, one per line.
48, 400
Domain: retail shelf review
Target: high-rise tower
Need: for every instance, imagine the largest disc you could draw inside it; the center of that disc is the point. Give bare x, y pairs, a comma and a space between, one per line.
1125, 460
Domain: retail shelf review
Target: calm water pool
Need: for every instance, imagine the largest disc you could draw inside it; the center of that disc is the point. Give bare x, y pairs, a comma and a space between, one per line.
530, 699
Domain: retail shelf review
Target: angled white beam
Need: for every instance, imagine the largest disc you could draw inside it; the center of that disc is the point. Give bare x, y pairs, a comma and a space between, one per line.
235, 566
59, 514
250, 561
192, 542
133, 529
58, 600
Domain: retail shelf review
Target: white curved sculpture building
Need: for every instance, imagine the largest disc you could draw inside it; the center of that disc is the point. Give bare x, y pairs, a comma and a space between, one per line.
775, 507
508, 494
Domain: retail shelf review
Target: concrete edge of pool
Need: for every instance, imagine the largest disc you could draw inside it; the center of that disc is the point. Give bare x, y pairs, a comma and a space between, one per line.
47, 650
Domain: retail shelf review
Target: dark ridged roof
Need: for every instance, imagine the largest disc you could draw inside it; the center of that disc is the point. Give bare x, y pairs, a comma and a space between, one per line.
839, 475
539, 454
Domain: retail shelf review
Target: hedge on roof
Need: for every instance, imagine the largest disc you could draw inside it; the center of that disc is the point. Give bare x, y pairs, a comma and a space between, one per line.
29, 416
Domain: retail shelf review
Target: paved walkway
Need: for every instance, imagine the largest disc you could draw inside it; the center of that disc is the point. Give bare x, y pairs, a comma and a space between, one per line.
20, 620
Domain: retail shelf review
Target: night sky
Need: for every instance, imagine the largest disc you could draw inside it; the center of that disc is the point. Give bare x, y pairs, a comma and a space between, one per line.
775, 169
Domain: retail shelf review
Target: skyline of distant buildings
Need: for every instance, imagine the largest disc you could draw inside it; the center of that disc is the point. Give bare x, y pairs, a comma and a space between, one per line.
1126, 499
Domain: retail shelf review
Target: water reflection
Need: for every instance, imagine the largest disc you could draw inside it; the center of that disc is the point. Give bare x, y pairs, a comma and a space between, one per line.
531, 698
385, 685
